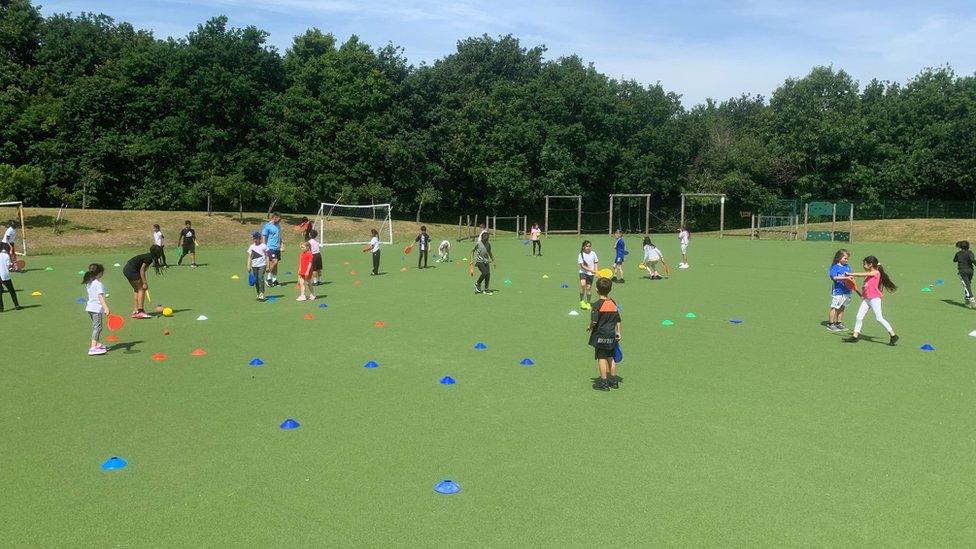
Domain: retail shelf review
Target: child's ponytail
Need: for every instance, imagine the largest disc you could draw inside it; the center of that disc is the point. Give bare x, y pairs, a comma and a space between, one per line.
94, 271
886, 280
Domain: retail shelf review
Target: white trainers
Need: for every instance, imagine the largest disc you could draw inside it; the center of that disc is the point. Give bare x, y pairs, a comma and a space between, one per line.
301, 298
96, 351
311, 298
682, 265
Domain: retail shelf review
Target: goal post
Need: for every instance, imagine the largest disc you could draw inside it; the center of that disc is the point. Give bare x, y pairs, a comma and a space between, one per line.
703, 199
564, 214
13, 212
514, 222
779, 227
631, 212
348, 224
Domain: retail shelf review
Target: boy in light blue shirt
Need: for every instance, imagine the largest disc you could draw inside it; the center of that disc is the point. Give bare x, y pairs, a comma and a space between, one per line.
272, 238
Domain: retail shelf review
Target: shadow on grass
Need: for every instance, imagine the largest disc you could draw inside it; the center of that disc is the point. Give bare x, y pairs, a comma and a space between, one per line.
11, 307
956, 303
127, 347
47, 221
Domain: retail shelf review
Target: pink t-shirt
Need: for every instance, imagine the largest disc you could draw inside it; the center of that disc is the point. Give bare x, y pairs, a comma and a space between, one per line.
872, 286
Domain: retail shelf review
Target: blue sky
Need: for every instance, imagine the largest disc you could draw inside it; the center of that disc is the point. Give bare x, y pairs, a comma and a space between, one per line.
698, 48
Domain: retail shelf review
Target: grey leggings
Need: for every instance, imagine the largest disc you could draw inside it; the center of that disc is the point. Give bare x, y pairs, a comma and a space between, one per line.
96, 319
258, 273
485, 274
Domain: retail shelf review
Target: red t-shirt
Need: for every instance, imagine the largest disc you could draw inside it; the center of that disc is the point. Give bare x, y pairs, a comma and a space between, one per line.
305, 264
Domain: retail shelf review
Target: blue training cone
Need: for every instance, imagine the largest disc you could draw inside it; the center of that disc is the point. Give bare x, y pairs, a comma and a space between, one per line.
735, 321
81, 300
480, 346
527, 362
251, 280
447, 487
564, 286
618, 354
371, 364
323, 306
113, 463
290, 424
272, 299
447, 380
939, 282
256, 362
927, 347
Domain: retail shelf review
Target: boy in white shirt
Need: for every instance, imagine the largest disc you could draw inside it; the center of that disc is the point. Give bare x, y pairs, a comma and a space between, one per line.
5, 283
158, 240
257, 262
10, 239
683, 237
444, 251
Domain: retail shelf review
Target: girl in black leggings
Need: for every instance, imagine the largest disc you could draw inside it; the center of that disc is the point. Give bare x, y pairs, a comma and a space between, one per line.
482, 255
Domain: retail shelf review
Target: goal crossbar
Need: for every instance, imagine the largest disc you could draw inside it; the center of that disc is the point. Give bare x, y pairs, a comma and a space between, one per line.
385, 228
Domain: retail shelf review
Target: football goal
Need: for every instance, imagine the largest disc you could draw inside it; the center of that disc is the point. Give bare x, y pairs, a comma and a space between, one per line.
564, 214
12, 218
775, 227
703, 212
516, 224
346, 224
630, 213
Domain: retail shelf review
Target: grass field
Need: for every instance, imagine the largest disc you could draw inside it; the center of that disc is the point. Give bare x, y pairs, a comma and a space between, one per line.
770, 432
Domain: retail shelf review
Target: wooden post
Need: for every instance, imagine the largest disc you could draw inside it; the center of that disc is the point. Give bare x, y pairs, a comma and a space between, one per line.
721, 217
833, 222
647, 215
850, 237
806, 219
546, 216
682, 212
579, 215
610, 228
752, 227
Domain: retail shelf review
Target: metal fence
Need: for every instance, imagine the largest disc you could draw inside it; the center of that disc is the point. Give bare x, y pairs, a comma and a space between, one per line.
889, 209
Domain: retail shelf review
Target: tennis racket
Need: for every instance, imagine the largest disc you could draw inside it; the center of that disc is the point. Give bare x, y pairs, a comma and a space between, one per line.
408, 249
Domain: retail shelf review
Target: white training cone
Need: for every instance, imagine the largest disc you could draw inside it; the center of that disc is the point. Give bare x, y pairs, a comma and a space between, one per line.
573, 313
201, 317
973, 333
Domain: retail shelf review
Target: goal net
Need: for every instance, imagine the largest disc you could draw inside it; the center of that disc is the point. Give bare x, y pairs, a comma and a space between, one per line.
564, 214
630, 213
12, 217
346, 224
703, 212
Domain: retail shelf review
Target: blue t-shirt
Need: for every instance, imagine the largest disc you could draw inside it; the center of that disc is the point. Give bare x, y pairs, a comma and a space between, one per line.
840, 288
272, 233
620, 251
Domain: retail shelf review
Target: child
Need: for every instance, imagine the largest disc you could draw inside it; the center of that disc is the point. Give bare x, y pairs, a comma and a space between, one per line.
158, 241
10, 239
875, 280
841, 293
424, 239
316, 249
605, 336
305, 273
257, 262
482, 231
305, 227
534, 233
374, 247
135, 272
5, 282
444, 251
651, 256
188, 239
481, 254
683, 237
618, 260
964, 260
96, 308
589, 264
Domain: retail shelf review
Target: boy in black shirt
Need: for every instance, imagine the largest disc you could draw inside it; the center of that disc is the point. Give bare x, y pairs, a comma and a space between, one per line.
424, 239
605, 335
964, 260
188, 239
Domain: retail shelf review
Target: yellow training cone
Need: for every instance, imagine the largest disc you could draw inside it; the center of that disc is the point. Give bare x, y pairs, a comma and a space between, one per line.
36, 293
234, 277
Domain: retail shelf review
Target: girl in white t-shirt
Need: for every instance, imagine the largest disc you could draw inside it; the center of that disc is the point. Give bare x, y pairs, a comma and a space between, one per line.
316, 248
257, 263
589, 264
96, 307
651, 256
160, 241
6, 284
683, 237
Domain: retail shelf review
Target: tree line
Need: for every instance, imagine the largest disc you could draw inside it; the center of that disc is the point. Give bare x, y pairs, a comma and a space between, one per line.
97, 113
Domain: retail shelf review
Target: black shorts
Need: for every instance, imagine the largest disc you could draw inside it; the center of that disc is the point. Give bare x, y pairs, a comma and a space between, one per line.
274, 254
587, 278
316, 262
131, 276
189, 247
602, 353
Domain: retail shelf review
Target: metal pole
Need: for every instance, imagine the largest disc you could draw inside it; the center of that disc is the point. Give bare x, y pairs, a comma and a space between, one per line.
752, 227
721, 217
610, 228
850, 238
647, 214
546, 216
23, 229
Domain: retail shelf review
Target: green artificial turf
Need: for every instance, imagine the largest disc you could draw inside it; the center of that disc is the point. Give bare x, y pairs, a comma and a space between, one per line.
767, 433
